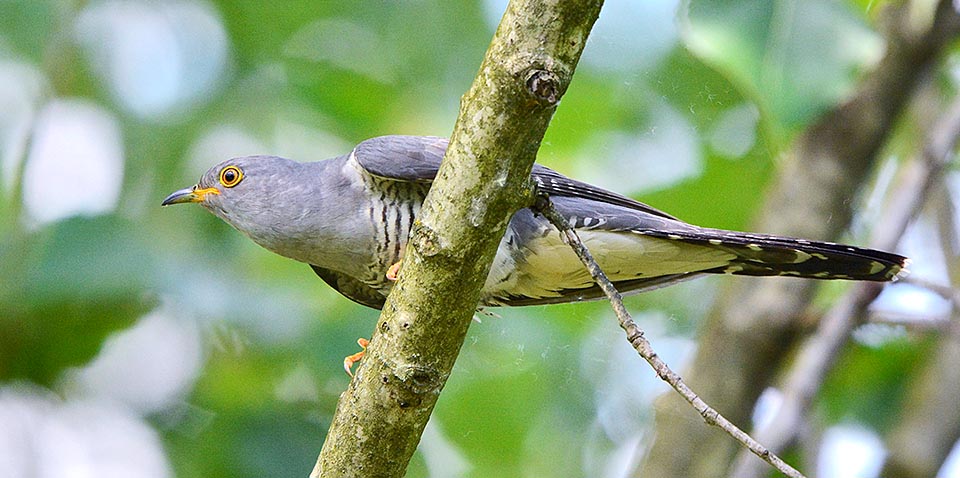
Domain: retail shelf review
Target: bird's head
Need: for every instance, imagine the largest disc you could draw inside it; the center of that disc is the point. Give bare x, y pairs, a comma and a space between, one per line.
250, 192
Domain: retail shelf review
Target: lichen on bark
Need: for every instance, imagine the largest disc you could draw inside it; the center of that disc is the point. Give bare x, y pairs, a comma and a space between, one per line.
483, 180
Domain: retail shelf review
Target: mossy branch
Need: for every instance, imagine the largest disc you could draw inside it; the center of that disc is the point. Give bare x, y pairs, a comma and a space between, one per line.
483, 180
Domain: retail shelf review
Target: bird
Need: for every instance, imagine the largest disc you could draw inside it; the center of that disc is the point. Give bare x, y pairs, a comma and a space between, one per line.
350, 217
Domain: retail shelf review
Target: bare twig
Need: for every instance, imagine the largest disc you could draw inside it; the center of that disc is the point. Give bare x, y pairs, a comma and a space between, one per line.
643, 347
819, 352
755, 322
927, 430
911, 322
944, 291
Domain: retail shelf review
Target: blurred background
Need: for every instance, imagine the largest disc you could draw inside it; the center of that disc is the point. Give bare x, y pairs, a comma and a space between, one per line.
136, 341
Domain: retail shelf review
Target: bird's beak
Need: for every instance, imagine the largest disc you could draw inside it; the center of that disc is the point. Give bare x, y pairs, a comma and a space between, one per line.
194, 194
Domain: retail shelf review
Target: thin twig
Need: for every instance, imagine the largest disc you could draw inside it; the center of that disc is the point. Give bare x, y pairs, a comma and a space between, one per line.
912, 323
645, 349
944, 291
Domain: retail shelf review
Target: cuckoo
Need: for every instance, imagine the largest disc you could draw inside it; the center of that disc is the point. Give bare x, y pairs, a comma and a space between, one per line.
349, 218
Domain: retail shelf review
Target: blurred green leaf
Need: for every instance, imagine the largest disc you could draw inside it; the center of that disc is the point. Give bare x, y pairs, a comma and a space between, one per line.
28, 25
521, 399
68, 286
794, 58
868, 383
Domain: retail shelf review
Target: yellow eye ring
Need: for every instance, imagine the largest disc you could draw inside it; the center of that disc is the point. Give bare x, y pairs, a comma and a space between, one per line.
230, 176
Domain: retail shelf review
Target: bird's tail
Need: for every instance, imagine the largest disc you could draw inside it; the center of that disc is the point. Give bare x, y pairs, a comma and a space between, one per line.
766, 255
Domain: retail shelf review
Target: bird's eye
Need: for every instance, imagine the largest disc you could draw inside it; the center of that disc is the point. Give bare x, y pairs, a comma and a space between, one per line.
230, 176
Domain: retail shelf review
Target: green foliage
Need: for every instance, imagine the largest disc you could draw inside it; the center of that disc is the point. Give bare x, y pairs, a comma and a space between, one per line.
776, 53
870, 381
307, 79
76, 282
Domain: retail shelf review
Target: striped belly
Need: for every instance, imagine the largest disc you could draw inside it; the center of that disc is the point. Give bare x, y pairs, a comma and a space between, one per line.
390, 213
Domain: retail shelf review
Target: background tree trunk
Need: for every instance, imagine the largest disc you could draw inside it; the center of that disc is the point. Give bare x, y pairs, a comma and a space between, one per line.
755, 323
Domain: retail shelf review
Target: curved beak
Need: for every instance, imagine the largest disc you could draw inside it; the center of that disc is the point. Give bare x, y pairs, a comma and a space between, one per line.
188, 195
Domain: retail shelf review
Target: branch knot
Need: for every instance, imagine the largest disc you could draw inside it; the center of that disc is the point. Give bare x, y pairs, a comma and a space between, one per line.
544, 85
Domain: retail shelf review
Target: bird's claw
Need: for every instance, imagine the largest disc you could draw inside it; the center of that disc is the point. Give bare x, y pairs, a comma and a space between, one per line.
394, 271
349, 360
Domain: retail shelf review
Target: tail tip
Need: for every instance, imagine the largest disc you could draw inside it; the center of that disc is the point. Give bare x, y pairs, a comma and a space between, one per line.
902, 271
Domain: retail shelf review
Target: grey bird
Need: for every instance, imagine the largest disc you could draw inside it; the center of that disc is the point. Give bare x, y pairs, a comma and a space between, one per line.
349, 218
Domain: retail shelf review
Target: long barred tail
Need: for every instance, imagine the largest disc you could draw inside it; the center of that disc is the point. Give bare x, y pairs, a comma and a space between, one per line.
765, 255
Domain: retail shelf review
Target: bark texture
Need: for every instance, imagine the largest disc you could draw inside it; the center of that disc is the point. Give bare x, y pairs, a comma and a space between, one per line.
481, 183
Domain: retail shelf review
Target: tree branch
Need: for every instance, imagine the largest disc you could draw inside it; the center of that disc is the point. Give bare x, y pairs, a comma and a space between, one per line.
944, 291
819, 352
750, 331
930, 425
483, 180
643, 346
929, 428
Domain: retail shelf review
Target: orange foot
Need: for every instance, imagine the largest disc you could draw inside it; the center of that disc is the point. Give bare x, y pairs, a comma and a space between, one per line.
352, 359
394, 271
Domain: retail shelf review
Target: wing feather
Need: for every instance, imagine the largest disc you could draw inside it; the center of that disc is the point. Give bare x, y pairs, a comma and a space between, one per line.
417, 158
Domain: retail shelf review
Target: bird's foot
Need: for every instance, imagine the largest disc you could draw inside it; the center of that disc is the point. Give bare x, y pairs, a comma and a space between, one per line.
349, 360
394, 271
484, 311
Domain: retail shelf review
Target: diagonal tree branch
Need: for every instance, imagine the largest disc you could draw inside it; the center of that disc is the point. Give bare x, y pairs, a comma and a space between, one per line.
751, 330
483, 180
919, 444
944, 291
819, 352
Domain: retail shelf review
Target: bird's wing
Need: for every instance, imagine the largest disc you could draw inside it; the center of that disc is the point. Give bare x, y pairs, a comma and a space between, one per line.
417, 158
351, 288
404, 158
645, 241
